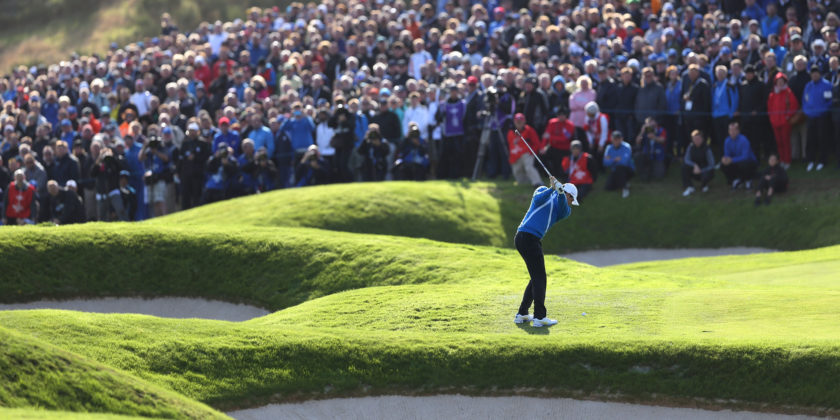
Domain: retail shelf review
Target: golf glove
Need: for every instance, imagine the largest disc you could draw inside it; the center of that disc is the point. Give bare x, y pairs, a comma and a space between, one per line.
558, 186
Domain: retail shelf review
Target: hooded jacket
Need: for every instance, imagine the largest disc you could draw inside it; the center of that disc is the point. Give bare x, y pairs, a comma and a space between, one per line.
781, 106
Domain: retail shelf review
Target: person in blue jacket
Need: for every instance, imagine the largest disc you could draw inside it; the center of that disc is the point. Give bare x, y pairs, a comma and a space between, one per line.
299, 128
618, 161
548, 206
738, 162
816, 104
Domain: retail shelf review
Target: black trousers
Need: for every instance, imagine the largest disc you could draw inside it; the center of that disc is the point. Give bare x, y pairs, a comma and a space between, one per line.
819, 138
762, 141
688, 175
451, 163
618, 177
774, 182
744, 170
720, 126
191, 190
530, 248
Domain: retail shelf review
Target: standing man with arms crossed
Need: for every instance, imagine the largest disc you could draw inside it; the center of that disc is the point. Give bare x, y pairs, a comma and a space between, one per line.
548, 206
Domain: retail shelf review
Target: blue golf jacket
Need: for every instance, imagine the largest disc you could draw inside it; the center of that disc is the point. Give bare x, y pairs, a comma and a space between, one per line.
547, 208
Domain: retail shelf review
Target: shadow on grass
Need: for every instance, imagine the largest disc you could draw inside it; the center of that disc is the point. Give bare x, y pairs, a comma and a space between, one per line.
534, 330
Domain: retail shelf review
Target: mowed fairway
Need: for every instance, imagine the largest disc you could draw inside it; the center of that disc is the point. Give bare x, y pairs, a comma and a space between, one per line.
362, 314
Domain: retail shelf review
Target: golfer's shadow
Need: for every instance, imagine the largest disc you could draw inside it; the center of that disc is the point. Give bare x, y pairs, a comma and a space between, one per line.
534, 330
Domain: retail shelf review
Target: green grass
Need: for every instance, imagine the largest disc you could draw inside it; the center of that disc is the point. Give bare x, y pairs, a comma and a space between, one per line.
654, 216
368, 314
36, 414
33, 373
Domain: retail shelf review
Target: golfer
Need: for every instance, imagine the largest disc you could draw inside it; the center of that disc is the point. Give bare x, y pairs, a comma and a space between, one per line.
548, 206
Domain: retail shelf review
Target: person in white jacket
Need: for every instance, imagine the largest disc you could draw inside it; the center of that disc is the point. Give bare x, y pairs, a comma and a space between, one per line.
323, 137
418, 113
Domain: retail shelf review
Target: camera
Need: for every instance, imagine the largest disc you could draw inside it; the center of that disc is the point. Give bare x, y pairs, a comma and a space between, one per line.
154, 142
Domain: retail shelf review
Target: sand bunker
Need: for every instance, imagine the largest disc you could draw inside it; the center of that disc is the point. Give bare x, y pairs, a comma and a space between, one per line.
632, 255
465, 408
161, 307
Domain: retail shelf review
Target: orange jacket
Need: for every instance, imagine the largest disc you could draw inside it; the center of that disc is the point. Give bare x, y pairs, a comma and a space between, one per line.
517, 149
581, 174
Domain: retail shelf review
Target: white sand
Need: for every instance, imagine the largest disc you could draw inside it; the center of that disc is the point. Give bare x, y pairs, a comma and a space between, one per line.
160, 307
632, 255
461, 407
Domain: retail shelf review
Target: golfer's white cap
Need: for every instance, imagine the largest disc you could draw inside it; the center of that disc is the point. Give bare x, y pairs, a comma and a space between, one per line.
571, 189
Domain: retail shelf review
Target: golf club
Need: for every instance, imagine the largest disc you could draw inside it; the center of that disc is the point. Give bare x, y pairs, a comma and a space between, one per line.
535, 156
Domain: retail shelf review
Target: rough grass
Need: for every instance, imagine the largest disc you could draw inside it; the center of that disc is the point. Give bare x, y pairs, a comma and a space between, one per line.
422, 316
654, 216
33, 373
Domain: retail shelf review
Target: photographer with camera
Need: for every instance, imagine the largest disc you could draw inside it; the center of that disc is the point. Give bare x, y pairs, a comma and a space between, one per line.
374, 150
190, 161
156, 162
412, 157
221, 170
106, 173
312, 169
257, 172
650, 150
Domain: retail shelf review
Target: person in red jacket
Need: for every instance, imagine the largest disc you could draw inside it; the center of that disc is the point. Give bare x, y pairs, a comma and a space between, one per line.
579, 167
782, 105
557, 138
521, 160
20, 201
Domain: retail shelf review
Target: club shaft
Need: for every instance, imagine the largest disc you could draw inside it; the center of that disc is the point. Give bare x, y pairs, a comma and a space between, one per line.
532, 151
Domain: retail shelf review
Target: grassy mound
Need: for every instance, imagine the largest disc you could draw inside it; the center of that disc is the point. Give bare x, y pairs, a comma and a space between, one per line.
36, 414
34, 373
422, 316
655, 215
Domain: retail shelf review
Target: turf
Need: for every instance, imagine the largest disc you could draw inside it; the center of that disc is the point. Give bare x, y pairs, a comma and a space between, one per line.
487, 213
33, 373
360, 314
36, 414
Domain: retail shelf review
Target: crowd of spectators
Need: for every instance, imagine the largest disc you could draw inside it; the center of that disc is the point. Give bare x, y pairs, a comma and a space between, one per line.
352, 90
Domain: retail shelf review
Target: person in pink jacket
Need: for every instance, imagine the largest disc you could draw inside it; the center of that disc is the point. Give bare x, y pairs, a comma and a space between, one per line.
577, 104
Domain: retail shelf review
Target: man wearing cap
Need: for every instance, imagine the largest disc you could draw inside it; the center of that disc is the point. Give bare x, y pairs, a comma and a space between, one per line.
190, 161
226, 135
618, 161
548, 206
67, 133
520, 158
816, 103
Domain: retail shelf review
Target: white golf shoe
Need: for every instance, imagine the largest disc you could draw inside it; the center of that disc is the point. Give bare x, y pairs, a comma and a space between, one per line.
688, 191
522, 319
545, 322
625, 192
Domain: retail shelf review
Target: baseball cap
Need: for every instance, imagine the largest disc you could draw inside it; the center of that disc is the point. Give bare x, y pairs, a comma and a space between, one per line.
224, 120
71, 183
572, 190
519, 117
472, 80
166, 130
65, 123
193, 126
125, 173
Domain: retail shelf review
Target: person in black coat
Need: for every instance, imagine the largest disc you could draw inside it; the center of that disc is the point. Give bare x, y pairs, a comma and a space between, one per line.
313, 169
626, 91
63, 206
106, 171
696, 101
752, 104
374, 150
343, 124
774, 179
190, 162
534, 104
66, 166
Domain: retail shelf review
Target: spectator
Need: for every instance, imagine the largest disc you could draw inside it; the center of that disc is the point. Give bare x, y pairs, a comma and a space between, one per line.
781, 107
696, 100
738, 162
752, 106
774, 179
64, 206
190, 162
650, 146
262, 171
698, 164
413, 157
578, 102
226, 135
106, 172
596, 128
312, 169
343, 124
671, 120
324, 139
557, 139
816, 103
451, 115
156, 159
579, 168
20, 201
66, 165
618, 161
257, 132
799, 129
724, 107
35, 173
374, 151
650, 99
521, 160
299, 128
221, 173
625, 120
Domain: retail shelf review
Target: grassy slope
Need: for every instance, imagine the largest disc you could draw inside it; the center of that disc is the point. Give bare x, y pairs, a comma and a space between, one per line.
33, 373
443, 322
39, 414
47, 31
655, 215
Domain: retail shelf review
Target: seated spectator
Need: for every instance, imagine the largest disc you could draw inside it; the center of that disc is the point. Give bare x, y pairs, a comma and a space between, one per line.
650, 154
774, 179
63, 206
374, 151
618, 161
312, 169
521, 160
698, 164
738, 162
579, 169
412, 157
20, 201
